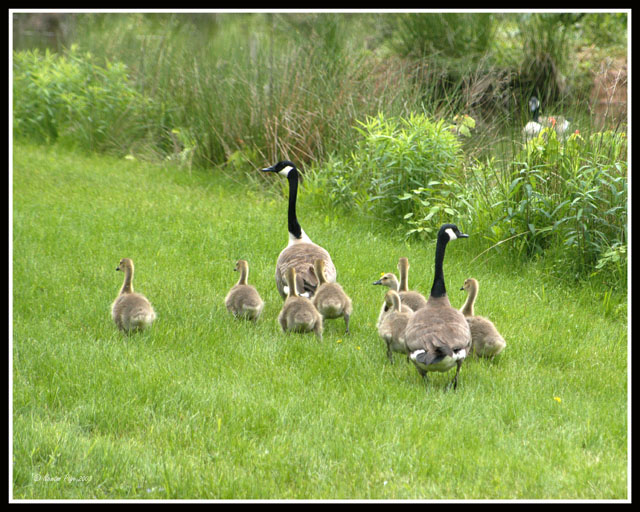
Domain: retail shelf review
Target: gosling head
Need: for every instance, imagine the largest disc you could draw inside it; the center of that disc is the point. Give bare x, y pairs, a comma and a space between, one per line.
469, 284
124, 264
240, 265
390, 280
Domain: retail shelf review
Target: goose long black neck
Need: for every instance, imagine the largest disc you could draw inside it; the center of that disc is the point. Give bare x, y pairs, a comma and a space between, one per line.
438, 289
536, 115
534, 106
294, 226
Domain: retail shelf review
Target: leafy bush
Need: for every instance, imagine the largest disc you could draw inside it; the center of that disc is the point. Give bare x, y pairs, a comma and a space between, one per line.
400, 169
72, 99
568, 200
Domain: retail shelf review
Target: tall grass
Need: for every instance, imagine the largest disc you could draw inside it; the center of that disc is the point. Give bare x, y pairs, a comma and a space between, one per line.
273, 85
245, 89
269, 85
564, 200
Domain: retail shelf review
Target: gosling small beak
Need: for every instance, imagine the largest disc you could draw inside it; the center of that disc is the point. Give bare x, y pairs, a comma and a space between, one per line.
117, 268
378, 281
461, 289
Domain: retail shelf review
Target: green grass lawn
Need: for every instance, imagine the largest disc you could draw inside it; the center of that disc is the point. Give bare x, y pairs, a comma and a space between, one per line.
202, 406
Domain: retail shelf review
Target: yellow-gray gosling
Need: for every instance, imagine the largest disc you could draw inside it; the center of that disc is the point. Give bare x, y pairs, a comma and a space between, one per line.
298, 314
330, 299
394, 322
243, 300
486, 341
131, 311
411, 298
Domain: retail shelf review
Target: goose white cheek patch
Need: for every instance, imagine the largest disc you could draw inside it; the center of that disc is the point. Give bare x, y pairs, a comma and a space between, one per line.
286, 170
452, 235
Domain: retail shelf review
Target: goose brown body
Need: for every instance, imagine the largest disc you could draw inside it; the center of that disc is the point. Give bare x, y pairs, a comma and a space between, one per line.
301, 252
301, 256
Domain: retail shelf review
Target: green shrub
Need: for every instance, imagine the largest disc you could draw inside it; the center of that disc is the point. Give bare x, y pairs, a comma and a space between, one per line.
567, 200
396, 168
72, 99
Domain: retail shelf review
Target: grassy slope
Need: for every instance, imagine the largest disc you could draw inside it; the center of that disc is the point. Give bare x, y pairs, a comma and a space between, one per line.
202, 406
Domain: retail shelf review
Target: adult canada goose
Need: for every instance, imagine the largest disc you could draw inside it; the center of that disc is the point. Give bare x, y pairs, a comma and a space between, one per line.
243, 300
300, 252
390, 281
411, 298
533, 128
438, 336
391, 328
330, 299
486, 341
131, 311
298, 314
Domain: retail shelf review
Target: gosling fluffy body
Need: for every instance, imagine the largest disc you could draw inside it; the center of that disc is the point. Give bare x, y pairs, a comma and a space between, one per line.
298, 313
131, 311
330, 299
390, 281
243, 300
393, 324
486, 341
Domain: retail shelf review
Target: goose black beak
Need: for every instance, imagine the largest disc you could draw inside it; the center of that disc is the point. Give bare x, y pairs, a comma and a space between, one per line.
463, 235
268, 169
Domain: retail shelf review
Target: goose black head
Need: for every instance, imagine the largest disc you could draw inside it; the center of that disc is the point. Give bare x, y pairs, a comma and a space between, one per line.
534, 104
285, 167
450, 232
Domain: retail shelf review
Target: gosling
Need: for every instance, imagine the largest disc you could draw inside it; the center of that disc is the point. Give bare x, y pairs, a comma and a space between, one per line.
486, 341
243, 300
392, 326
330, 299
131, 311
390, 281
415, 300
298, 313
